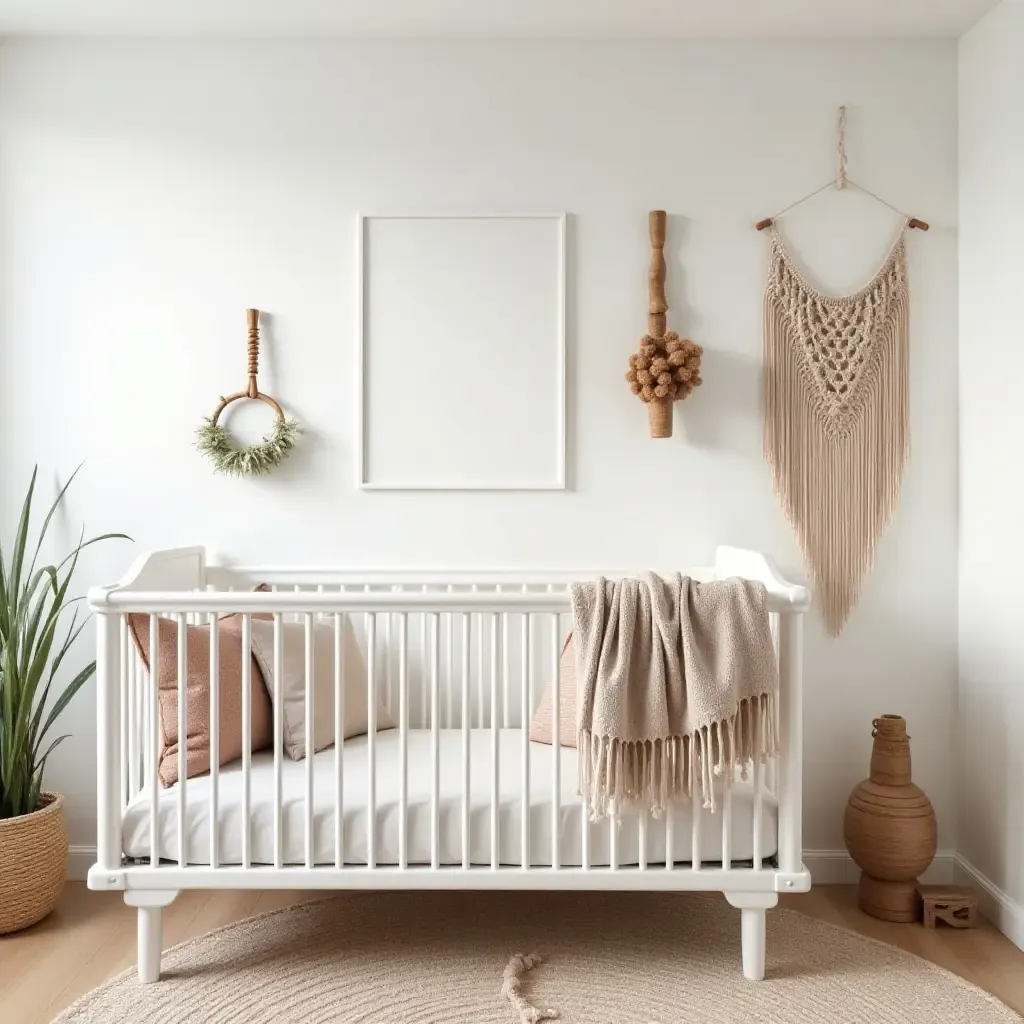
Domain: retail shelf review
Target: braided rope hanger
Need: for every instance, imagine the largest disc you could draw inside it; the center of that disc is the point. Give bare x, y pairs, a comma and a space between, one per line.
252, 317
842, 181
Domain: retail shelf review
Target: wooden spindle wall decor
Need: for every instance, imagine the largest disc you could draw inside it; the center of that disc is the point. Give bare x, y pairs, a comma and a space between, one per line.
666, 368
659, 411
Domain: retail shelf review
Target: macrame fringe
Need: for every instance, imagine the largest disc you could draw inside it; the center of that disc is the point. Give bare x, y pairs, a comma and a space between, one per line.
614, 774
837, 430
512, 989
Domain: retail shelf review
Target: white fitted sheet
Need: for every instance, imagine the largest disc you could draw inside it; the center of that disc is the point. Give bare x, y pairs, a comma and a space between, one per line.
136, 820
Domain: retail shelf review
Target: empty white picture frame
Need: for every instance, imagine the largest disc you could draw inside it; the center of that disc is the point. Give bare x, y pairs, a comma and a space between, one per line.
461, 340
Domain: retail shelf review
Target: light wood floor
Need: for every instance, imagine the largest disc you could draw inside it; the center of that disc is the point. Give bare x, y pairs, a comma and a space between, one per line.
91, 936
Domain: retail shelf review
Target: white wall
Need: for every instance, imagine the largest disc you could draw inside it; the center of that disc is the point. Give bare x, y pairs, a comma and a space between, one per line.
991, 688
149, 192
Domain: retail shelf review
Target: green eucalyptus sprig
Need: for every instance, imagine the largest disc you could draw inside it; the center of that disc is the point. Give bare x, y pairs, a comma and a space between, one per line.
217, 444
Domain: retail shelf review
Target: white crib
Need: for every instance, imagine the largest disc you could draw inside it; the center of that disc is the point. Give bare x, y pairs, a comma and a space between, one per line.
455, 797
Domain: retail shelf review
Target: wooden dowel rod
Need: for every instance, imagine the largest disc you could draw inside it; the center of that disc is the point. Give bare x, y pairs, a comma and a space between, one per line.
914, 222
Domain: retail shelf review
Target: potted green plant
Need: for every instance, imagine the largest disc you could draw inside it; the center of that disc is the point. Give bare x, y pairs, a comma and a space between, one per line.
39, 624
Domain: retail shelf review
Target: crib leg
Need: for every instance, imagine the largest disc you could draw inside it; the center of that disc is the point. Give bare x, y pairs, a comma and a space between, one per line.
753, 912
150, 930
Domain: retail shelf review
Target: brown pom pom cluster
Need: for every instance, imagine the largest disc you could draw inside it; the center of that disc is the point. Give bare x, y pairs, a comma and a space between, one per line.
664, 368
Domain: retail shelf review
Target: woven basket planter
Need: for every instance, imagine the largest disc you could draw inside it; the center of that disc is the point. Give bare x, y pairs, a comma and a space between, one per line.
33, 863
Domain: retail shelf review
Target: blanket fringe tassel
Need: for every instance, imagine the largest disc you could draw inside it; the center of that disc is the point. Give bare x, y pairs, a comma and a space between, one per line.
614, 774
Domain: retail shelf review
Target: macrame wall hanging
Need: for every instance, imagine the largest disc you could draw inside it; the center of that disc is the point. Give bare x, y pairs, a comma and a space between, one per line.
666, 368
836, 408
215, 442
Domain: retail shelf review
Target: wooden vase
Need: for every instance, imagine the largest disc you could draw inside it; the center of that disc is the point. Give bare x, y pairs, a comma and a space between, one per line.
889, 827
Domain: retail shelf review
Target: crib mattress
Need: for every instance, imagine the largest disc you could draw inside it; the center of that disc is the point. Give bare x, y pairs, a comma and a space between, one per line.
136, 819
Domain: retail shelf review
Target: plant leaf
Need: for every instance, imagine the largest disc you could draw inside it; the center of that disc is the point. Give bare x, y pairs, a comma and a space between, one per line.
20, 538
49, 516
65, 697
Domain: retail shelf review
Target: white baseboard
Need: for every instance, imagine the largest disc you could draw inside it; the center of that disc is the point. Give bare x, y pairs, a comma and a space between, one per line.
836, 867
80, 859
1006, 914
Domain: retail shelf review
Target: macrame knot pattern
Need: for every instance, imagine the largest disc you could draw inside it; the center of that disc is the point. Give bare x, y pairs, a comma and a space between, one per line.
836, 373
512, 989
666, 368
835, 336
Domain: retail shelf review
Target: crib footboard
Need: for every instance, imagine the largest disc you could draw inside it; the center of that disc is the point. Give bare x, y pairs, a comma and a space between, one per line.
441, 787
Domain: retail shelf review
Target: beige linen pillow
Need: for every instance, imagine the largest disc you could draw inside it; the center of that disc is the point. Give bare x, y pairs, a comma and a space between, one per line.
542, 726
293, 683
197, 686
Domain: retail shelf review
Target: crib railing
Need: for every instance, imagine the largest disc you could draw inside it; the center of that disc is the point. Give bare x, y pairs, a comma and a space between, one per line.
464, 655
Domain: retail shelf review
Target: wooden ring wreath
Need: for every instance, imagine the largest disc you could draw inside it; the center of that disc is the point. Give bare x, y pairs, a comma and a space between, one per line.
666, 368
214, 440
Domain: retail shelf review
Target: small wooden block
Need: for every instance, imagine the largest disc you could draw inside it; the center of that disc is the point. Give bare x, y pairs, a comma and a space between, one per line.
956, 905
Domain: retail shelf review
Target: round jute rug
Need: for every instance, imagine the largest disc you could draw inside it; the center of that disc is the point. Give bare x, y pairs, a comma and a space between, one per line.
610, 958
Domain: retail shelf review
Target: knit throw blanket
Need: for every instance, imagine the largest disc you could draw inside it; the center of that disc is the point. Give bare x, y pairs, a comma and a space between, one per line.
677, 684
837, 426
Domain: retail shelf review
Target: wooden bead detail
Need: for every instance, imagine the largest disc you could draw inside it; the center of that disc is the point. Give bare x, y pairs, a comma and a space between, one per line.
252, 317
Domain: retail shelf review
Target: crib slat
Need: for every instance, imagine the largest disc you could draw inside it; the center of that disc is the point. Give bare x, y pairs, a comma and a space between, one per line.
371, 736
424, 670
696, 808
124, 689
466, 638
495, 740
246, 740
556, 748
641, 841
727, 827
154, 740
135, 709
670, 837
505, 712
310, 718
584, 836
142, 713
388, 658
613, 844
525, 797
435, 746
142, 705
449, 682
182, 734
278, 736
584, 818
403, 726
214, 738
479, 619
339, 741
758, 792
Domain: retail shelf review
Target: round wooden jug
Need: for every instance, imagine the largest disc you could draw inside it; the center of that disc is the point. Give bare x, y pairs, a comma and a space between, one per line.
889, 827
